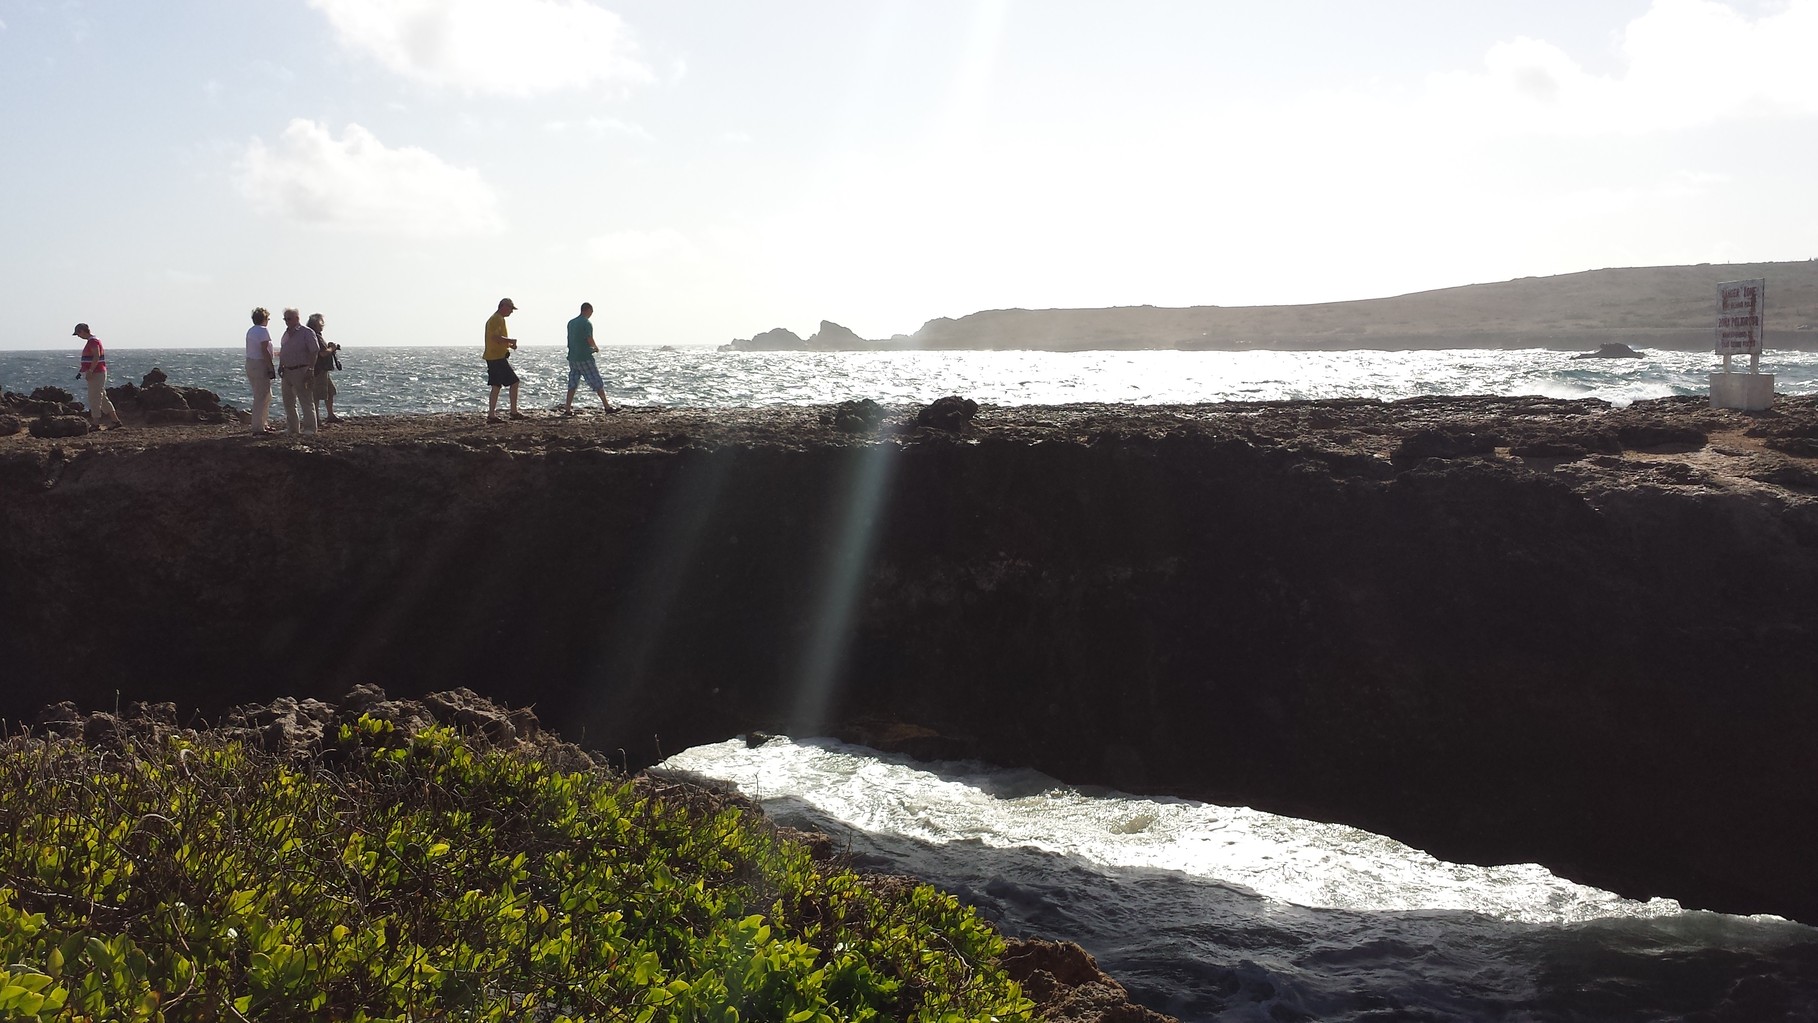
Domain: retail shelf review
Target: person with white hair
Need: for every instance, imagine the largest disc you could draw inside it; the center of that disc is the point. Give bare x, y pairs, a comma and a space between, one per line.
260, 371
297, 354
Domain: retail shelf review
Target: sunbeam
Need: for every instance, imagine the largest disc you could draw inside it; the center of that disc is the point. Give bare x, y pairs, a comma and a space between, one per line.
840, 577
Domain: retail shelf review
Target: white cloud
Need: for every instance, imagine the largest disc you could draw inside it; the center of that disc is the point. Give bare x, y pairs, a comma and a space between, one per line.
665, 243
1687, 64
504, 47
357, 184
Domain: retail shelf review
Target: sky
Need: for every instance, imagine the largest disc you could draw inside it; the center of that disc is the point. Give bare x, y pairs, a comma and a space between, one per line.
710, 170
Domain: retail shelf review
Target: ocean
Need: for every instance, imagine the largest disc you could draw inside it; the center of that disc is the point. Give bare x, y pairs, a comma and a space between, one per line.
1225, 913
380, 381
1207, 912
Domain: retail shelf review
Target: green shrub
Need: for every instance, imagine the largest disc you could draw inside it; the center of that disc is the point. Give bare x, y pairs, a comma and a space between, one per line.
427, 878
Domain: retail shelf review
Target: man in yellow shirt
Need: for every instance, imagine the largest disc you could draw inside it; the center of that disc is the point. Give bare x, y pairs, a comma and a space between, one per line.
498, 362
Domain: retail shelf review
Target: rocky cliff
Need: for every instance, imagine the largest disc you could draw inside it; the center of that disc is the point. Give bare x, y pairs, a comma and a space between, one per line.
1498, 629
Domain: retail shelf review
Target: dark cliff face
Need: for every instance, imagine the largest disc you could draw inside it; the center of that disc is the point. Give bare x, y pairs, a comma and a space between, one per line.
1600, 657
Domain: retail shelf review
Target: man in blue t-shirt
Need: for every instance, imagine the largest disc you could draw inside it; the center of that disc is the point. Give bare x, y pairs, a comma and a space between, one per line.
581, 349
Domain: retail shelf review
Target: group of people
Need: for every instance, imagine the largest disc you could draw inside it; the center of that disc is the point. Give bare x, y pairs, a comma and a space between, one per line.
581, 351
303, 363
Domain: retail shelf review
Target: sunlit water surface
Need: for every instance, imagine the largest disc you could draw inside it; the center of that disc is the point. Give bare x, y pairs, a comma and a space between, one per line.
397, 379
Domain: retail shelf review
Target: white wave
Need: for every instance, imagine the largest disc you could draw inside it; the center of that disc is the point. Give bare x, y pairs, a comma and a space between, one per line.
1306, 863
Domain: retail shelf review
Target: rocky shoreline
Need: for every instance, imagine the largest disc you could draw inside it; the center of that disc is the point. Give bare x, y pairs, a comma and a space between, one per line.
1499, 629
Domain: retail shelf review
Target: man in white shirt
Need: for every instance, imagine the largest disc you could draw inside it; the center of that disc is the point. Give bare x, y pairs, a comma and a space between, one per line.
259, 370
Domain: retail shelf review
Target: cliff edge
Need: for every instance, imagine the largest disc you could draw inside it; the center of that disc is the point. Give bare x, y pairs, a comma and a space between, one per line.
1498, 629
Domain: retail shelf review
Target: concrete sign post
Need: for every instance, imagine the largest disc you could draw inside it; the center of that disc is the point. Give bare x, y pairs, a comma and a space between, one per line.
1741, 308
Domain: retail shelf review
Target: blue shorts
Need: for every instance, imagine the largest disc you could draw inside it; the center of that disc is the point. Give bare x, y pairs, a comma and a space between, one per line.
578, 368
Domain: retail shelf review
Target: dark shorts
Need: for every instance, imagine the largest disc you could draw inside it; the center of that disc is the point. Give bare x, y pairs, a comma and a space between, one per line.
499, 373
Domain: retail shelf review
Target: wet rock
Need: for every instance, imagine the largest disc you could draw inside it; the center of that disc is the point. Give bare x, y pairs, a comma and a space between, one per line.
161, 396
860, 416
59, 426
55, 394
156, 376
1615, 350
949, 413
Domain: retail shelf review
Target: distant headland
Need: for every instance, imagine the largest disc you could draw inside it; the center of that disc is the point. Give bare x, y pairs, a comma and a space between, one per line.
1670, 307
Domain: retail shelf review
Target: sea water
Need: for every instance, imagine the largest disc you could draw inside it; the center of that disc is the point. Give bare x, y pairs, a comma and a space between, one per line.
1225, 913
389, 380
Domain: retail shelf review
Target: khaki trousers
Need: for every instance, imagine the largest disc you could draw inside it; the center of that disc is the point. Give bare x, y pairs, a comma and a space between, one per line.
297, 391
98, 405
260, 381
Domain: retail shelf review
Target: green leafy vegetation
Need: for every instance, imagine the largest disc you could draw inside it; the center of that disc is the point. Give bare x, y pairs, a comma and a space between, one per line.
424, 877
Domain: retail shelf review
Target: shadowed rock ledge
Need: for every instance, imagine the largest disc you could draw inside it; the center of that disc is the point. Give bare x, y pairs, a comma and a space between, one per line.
1501, 630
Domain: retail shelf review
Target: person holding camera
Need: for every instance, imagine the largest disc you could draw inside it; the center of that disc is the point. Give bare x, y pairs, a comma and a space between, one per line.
498, 362
260, 371
326, 363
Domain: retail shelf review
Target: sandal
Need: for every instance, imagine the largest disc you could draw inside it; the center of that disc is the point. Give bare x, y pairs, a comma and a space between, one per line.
519, 415
494, 419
